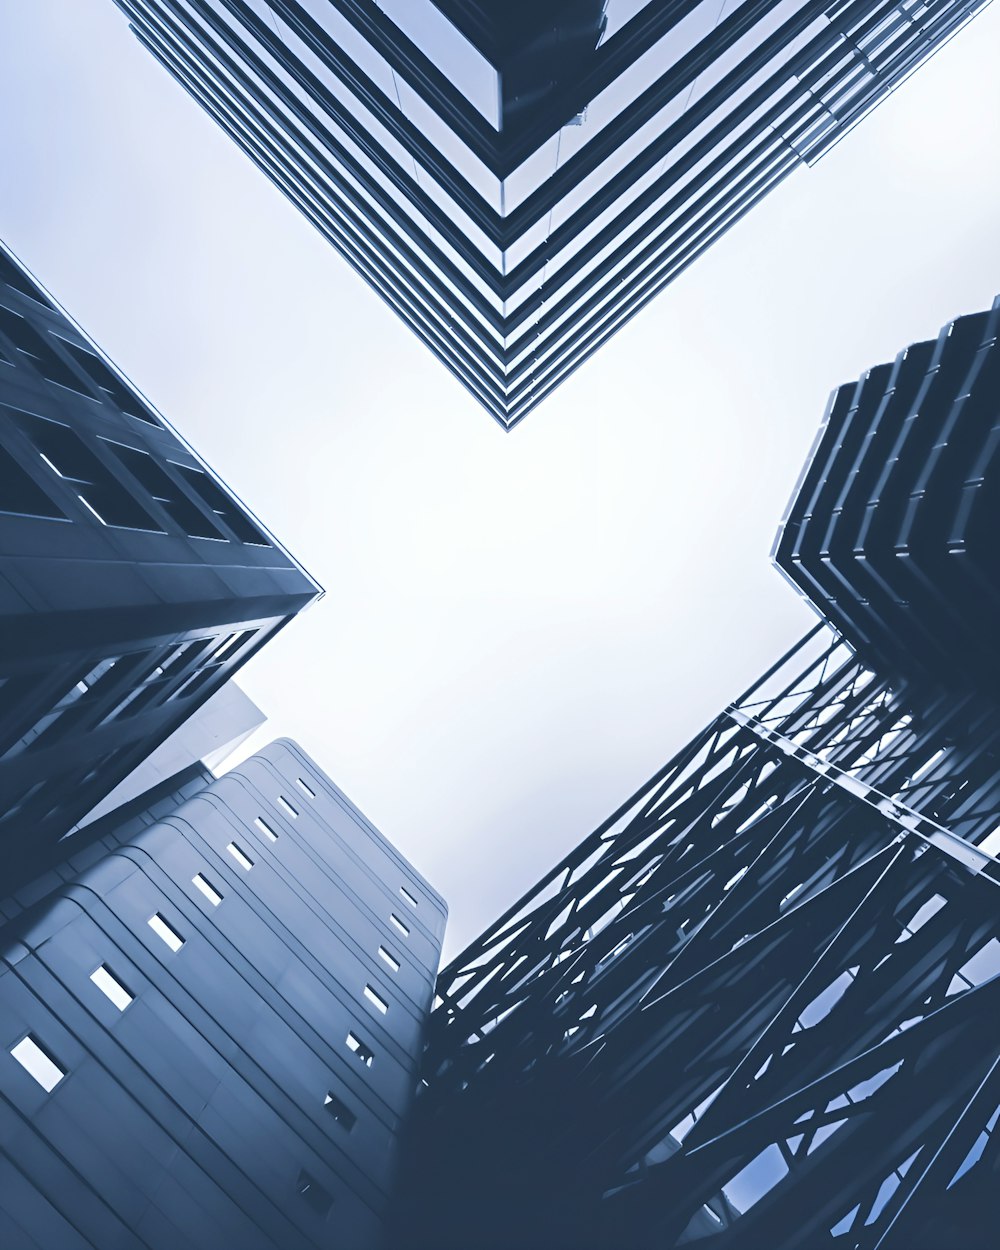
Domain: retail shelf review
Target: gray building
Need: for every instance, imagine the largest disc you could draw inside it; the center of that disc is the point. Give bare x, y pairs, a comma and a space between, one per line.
518, 178
133, 582
213, 1013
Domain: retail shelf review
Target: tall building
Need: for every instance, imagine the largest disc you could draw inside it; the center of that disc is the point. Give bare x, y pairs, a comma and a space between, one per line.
133, 583
212, 1022
756, 1007
517, 178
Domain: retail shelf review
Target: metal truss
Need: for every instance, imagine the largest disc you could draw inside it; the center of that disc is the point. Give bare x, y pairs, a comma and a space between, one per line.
754, 1006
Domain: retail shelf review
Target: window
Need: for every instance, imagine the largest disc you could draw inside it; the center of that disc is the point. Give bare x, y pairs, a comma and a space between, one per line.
364, 1052
21, 494
39, 351
223, 505
389, 958
265, 829
408, 896
70, 459
106, 380
17, 280
376, 1000
241, 857
164, 931
111, 987
340, 1112
206, 888
395, 921
305, 787
314, 1193
159, 485
38, 1064
287, 806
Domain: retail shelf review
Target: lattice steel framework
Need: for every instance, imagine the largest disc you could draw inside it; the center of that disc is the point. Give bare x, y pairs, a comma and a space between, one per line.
754, 1005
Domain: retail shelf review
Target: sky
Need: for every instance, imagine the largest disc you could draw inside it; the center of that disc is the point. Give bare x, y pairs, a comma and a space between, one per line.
518, 628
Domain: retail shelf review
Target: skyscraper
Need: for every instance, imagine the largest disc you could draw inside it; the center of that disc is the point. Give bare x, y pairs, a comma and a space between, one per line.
133, 583
517, 178
212, 1020
755, 1007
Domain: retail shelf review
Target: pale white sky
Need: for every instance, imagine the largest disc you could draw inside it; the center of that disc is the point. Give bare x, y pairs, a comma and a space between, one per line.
518, 628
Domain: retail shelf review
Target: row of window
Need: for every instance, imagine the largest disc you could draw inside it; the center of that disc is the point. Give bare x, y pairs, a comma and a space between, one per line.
108, 497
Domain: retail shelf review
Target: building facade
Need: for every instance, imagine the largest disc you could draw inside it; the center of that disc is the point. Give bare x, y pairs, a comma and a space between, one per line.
518, 178
133, 583
213, 1018
756, 1008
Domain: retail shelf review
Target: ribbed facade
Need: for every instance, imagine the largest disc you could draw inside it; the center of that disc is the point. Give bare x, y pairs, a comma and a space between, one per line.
756, 1007
133, 583
893, 532
518, 179
228, 988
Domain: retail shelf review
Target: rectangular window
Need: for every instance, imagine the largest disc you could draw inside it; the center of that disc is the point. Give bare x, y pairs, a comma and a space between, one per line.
305, 787
395, 920
314, 1193
244, 860
408, 896
389, 958
287, 806
159, 485
340, 1112
376, 1000
21, 494
38, 348
363, 1051
223, 505
111, 987
38, 1064
74, 462
206, 887
265, 829
164, 931
106, 380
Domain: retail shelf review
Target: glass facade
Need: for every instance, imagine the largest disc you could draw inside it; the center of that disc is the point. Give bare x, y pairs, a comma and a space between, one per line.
518, 179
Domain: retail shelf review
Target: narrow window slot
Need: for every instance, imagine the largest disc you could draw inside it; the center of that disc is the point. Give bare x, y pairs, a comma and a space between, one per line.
165, 933
389, 958
111, 987
304, 786
376, 1000
340, 1112
408, 896
363, 1051
241, 857
265, 829
395, 920
37, 1063
287, 806
206, 887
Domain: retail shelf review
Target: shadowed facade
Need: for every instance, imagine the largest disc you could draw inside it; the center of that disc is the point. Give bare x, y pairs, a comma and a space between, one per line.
755, 1007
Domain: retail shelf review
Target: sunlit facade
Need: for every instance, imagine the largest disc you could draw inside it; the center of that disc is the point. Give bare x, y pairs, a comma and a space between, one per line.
517, 178
756, 1008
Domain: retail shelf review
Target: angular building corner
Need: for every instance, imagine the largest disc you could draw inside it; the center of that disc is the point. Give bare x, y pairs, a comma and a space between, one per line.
518, 178
133, 583
756, 1008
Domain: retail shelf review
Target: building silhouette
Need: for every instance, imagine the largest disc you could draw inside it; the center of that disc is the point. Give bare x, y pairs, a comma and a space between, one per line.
756, 1007
213, 1013
133, 583
517, 178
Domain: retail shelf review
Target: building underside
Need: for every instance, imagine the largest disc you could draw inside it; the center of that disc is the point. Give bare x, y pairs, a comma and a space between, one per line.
518, 178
